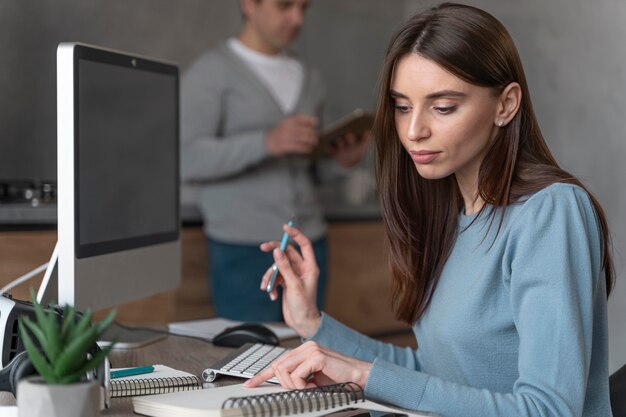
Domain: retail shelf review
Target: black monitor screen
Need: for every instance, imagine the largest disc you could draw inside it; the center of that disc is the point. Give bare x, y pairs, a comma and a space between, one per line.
126, 154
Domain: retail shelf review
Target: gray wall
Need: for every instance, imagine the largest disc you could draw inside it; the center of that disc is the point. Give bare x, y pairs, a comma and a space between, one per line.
173, 30
347, 41
575, 61
30, 31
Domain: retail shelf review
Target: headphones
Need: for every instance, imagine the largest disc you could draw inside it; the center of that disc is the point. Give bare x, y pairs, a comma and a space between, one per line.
19, 367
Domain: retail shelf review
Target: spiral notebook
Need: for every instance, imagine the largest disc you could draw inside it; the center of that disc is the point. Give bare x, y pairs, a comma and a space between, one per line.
265, 401
162, 380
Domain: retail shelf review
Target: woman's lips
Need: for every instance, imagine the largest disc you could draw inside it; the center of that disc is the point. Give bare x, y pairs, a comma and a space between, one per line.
424, 157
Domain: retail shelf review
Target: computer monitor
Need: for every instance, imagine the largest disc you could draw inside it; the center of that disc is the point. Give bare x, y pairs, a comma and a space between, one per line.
118, 178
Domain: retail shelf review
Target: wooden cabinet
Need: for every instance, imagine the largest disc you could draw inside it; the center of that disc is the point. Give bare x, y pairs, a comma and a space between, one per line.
358, 288
357, 291
23, 251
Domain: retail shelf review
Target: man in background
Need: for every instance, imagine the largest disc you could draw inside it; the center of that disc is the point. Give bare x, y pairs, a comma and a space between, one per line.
250, 119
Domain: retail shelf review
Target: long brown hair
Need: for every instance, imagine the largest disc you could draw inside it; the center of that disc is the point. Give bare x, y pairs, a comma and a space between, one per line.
421, 215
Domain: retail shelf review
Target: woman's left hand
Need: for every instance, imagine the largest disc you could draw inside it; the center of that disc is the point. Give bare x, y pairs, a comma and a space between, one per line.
312, 365
298, 277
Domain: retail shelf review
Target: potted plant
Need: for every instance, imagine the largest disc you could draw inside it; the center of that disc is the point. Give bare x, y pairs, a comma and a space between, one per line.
62, 356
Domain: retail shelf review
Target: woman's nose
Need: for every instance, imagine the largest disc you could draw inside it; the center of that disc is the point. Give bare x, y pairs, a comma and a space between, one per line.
418, 128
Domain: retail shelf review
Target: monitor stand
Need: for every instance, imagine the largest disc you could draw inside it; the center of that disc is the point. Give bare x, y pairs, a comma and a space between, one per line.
49, 288
124, 338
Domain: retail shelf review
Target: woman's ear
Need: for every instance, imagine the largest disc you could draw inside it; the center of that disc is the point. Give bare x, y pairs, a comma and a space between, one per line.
509, 102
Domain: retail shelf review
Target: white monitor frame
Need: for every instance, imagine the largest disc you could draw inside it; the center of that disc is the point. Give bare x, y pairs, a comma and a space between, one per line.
150, 265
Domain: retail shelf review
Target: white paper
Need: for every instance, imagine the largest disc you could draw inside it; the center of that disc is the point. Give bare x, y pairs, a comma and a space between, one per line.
208, 328
8, 411
208, 403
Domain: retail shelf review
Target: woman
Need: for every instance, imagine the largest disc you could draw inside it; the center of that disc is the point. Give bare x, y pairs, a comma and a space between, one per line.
498, 258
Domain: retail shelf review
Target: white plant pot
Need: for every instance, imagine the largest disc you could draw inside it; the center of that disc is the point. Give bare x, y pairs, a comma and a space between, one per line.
35, 398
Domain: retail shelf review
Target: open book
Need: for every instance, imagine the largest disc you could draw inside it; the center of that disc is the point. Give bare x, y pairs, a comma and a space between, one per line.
266, 401
357, 122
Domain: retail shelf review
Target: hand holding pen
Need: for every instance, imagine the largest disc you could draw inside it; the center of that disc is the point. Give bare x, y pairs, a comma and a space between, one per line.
299, 275
283, 246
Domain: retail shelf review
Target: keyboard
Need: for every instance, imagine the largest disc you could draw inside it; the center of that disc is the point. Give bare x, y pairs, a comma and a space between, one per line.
245, 362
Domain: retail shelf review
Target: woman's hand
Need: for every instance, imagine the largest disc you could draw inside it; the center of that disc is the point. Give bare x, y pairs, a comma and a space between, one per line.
298, 277
312, 365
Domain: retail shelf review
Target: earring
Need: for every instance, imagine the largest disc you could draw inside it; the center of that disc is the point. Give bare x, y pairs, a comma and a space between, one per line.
500, 123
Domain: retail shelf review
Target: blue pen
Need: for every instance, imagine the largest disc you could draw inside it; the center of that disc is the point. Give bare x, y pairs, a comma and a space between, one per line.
283, 246
120, 373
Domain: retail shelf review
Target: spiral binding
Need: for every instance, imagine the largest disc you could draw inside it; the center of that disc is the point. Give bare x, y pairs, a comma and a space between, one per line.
146, 386
297, 401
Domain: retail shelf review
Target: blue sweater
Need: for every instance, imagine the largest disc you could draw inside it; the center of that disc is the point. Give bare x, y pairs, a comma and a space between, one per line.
517, 326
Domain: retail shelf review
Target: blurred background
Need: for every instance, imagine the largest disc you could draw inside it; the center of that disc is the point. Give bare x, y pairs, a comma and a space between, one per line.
572, 51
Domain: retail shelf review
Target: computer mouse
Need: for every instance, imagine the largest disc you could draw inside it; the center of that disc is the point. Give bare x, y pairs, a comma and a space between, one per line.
237, 336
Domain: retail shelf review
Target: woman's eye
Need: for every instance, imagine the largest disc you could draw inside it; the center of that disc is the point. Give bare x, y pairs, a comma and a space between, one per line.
445, 109
401, 108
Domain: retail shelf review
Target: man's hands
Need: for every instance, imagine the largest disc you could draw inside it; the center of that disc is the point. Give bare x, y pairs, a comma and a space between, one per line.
298, 135
293, 135
312, 365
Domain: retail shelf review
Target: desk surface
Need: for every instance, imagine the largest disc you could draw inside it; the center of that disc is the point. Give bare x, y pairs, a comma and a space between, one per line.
185, 354
177, 352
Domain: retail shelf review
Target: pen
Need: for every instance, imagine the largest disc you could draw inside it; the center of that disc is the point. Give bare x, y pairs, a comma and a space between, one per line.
131, 371
283, 246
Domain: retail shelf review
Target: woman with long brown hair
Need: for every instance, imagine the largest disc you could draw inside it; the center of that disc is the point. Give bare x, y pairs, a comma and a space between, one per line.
499, 259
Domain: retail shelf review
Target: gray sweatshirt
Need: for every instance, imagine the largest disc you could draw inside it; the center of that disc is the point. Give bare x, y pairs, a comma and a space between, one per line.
245, 194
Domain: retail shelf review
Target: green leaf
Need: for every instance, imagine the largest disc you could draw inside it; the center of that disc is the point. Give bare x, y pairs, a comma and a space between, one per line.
38, 360
68, 322
64, 358
36, 331
39, 334
75, 352
91, 364
49, 349
83, 324
53, 347
48, 324
39, 314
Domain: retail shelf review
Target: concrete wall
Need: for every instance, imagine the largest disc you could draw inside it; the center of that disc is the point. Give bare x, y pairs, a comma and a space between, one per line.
575, 61
173, 30
30, 31
346, 40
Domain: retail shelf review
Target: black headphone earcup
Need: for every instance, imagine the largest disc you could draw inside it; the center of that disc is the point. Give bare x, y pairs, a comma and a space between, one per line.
21, 367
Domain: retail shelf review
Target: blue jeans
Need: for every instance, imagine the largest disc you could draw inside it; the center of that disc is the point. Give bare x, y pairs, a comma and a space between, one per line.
235, 274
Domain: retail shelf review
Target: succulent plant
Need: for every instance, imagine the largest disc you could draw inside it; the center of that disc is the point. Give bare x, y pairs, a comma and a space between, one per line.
63, 355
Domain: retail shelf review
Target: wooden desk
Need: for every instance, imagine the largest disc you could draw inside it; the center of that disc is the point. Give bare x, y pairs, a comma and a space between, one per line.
181, 353
186, 354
